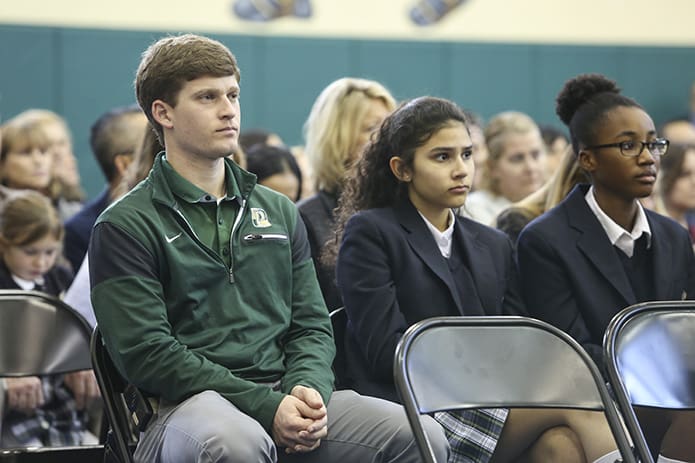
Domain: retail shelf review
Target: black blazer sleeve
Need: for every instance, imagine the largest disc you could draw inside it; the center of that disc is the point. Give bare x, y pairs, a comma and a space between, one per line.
367, 286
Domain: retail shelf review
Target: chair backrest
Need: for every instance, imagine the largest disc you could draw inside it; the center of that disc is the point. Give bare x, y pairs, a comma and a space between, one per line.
126, 409
41, 335
339, 322
650, 359
448, 363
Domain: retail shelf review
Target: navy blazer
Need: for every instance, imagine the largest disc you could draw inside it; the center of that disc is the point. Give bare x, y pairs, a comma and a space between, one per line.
317, 214
391, 274
572, 277
78, 229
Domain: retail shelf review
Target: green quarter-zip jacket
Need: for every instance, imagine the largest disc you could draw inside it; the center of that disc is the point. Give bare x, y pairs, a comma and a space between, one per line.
193, 295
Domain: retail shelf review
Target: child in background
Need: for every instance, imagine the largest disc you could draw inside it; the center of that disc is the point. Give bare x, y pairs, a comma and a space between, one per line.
44, 411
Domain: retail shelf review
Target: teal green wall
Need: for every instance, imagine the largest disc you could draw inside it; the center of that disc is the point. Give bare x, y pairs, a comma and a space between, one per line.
81, 73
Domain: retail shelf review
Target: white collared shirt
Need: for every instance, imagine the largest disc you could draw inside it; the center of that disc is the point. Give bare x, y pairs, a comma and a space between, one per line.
443, 239
618, 236
27, 285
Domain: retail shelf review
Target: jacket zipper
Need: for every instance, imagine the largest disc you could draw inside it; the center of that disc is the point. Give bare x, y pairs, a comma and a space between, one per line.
264, 236
237, 221
187, 223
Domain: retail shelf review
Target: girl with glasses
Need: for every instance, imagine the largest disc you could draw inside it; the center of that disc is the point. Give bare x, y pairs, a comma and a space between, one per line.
599, 250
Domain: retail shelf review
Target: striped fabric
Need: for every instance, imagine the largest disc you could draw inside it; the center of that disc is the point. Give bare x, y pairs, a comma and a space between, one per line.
472, 434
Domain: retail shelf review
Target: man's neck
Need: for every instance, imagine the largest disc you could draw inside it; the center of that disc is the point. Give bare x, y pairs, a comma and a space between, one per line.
207, 174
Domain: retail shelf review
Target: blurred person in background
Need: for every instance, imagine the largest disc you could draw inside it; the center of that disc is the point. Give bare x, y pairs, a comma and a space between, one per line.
276, 168
677, 185
342, 120
515, 167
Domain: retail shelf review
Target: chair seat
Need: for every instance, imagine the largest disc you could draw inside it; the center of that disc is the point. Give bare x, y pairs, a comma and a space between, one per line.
78, 454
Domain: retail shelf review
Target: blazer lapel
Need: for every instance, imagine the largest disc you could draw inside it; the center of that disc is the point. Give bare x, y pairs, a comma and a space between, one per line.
593, 243
481, 266
662, 250
422, 242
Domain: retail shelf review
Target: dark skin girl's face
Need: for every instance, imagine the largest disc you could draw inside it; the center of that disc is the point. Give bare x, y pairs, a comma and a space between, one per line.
619, 181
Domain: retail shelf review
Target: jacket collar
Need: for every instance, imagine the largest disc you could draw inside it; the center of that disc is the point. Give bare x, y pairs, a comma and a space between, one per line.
239, 182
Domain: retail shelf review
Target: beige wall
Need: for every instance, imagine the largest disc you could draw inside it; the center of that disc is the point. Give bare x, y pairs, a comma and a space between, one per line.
636, 22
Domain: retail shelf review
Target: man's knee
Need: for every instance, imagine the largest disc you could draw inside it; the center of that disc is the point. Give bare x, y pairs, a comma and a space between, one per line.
243, 444
208, 428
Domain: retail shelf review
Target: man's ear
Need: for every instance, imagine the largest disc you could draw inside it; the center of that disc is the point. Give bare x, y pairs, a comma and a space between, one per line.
161, 112
399, 169
587, 160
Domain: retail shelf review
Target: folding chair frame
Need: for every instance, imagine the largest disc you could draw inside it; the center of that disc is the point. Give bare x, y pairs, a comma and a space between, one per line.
610, 342
414, 408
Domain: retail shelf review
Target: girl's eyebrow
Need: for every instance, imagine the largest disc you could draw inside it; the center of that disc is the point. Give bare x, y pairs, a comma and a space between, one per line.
450, 148
633, 133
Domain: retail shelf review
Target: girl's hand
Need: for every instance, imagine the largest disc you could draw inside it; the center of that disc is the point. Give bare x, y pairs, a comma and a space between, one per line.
24, 394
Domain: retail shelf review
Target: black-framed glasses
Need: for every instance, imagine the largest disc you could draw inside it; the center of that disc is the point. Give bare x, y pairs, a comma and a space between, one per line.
632, 149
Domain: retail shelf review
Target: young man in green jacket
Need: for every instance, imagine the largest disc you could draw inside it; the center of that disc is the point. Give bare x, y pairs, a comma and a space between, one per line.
205, 292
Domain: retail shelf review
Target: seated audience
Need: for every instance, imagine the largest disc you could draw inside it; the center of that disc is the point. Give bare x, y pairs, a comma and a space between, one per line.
568, 174
679, 131
556, 144
25, 159
599, 250
223, 321
65, 190
113, 139
275, 168
480, 153
77, 296
340, 124
46, 411
677, 185
251, 137
405, 256
515, 166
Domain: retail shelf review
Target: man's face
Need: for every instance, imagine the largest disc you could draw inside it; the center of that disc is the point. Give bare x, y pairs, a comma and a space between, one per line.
205, 121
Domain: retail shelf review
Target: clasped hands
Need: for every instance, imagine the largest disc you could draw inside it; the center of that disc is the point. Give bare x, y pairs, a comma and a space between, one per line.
25, 394
300, 421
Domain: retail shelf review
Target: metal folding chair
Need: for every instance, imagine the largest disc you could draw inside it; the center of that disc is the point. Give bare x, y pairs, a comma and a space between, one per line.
40, 335
650, 357
127, 410
448, 363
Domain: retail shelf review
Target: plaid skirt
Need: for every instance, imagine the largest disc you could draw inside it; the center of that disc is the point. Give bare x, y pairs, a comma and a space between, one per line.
472, 434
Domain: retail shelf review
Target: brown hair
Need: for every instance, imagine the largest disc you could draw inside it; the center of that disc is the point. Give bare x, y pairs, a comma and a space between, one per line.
26, 216
171, 62
23, 133
671, 167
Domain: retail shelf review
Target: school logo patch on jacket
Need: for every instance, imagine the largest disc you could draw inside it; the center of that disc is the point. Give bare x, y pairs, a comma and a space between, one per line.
259, 217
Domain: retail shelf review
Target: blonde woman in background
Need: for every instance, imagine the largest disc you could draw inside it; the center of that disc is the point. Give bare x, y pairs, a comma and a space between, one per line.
568, 174
515, 167
341, 123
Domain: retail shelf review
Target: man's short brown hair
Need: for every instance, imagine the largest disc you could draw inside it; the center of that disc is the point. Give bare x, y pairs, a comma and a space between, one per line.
170, 62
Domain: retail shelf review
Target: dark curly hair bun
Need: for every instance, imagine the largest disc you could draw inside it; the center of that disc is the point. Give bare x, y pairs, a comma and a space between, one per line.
579, 90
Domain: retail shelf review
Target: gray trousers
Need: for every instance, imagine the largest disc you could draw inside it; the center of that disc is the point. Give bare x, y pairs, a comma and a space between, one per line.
208, 428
